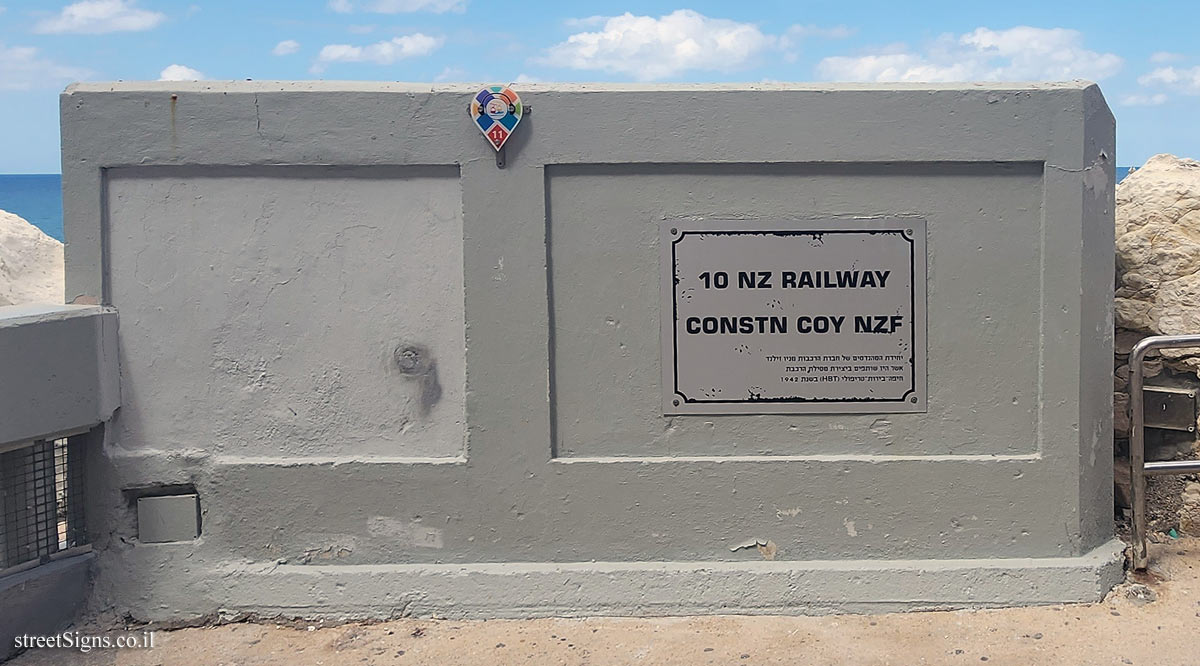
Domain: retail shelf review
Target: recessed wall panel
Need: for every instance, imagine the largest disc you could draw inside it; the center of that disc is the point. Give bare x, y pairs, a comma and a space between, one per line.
982, 331
263, 309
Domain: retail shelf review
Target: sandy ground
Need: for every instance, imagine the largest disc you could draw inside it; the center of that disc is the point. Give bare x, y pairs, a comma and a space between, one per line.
1127, 628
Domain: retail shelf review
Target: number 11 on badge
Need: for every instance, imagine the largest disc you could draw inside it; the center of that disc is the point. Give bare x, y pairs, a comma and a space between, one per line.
496, 111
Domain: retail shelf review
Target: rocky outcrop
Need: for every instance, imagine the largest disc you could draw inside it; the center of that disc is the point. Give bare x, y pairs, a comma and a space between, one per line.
31, 263
1189, 512
1158, 253
1158, 293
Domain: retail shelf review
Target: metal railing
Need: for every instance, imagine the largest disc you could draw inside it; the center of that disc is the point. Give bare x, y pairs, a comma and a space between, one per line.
41, 502
1139, 469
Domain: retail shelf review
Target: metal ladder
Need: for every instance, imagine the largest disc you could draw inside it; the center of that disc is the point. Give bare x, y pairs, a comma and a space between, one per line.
1139, 469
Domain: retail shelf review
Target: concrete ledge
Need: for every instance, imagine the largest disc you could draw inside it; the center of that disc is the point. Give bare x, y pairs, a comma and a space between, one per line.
42, 600
523, 590
58, 370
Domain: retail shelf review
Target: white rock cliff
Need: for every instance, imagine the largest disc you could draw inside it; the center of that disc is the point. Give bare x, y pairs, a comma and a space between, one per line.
31, 263
1158, 252
1158, 292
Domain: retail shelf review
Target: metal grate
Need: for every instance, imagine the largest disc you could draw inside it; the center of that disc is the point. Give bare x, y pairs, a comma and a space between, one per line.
41, 500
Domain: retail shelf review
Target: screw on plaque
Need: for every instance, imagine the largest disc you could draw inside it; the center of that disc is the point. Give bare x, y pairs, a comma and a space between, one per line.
496, 111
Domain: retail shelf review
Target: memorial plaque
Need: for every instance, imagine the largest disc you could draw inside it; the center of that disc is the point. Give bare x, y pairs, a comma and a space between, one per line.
815, 316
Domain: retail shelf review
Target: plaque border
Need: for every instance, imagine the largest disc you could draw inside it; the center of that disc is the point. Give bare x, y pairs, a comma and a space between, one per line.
914, 400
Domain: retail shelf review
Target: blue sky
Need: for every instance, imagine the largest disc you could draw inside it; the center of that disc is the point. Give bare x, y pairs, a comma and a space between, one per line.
1146, 56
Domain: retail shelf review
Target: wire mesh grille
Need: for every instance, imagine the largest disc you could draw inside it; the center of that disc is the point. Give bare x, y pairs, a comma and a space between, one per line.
41, 500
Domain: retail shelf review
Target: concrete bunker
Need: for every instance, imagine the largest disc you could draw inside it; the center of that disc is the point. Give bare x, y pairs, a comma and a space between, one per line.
290, 259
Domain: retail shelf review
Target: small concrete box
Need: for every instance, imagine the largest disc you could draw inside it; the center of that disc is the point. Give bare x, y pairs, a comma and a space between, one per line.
404, 380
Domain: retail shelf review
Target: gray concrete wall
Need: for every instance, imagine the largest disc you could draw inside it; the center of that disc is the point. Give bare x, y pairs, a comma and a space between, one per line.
44, 600
293, 310
58, 377
271, 245
58, 370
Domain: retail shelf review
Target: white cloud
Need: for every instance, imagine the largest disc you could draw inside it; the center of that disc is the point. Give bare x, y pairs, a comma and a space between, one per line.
834, 32
21, 68
1016, 54
1186, 81
286, 47
525, 78
100, 16
450, 74
180, 73
648, 48
1143, 100
380, 53
399, 6
790, 41
1165, 56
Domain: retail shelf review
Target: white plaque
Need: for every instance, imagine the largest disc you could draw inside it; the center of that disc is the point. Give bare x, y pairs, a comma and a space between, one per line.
814, 316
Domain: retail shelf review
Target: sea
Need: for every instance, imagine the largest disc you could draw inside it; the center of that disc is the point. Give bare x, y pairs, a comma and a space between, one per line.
38, 198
